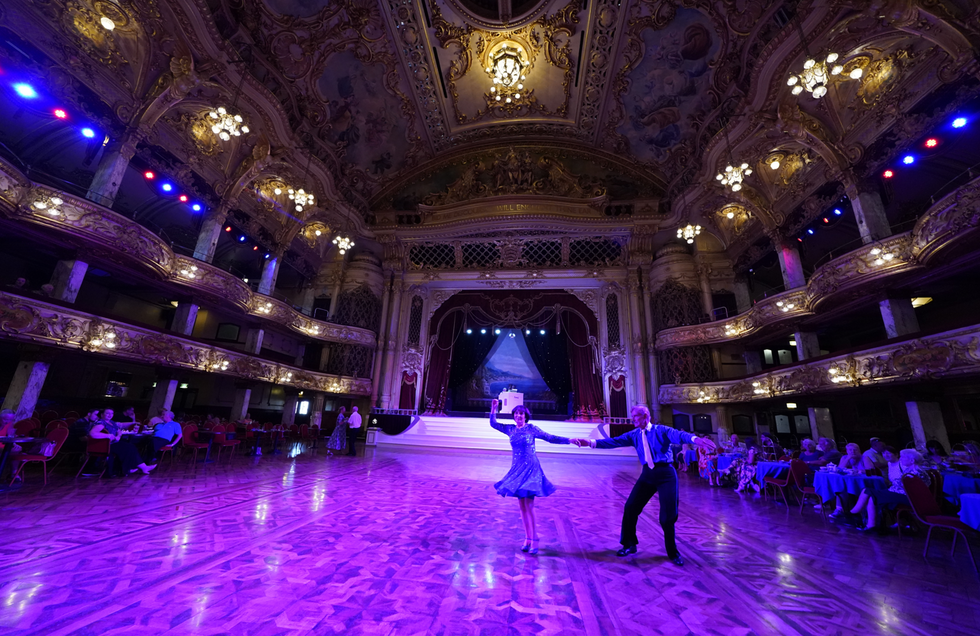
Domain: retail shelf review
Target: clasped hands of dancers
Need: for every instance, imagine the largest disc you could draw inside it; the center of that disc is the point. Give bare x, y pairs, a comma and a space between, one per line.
525, 479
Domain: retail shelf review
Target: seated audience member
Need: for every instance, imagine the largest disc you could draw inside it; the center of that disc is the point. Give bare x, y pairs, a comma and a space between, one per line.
830, 453
708, 466
809, 452
6, 423
935, 455
852, 459
21, 284
126, 452
128, 418
165, 433
746, 477
908, 462
873, 457
158, 417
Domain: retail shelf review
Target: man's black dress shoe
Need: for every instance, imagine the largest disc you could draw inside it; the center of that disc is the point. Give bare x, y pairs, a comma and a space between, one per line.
626, 550
677, 559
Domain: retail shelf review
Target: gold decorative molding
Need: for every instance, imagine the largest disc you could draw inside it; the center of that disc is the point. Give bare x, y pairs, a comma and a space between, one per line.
29, 320
952, 221
941, 355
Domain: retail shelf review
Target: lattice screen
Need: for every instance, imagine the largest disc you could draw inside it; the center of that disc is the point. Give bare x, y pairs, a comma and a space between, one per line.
359, 308
594, 252
480, 255
415, 321
349, 360
437, 256
675, 305
542, 253
685, 365
612, 321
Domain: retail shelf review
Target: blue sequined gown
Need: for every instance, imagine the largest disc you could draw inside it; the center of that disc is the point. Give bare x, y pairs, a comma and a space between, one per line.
525, 477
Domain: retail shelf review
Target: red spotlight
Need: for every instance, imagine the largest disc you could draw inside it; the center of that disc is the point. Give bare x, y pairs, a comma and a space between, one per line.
149, 174
183, 198
60, 113
799, 239
932, 143
888, 174
255, 249
228, 229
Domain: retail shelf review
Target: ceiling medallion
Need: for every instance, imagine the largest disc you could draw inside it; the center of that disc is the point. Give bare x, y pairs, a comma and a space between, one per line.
688, 232
508, 64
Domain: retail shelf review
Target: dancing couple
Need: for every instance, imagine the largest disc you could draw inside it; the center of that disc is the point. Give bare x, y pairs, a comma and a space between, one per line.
526, 480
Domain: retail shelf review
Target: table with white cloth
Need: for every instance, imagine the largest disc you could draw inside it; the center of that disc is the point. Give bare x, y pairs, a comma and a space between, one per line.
970, 510
955, 485
777, 470
829, 484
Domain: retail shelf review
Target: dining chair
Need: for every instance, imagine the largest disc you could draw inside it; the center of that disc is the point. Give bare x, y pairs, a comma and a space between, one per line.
927, 511
800, 470
58, 436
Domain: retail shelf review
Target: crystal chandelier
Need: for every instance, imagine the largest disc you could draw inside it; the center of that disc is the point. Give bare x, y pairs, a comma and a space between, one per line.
225, 125
733, 176
343, 243
300, 198
508, 64
816, 74
688, 232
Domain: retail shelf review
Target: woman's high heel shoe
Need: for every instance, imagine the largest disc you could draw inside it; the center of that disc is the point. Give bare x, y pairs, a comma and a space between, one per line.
533, 548
526, 546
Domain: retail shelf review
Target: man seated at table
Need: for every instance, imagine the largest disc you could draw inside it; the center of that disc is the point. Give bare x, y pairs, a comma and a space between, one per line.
158, 417
873, 459
165, 433
128, 419
734, 445
830, 453
78, 431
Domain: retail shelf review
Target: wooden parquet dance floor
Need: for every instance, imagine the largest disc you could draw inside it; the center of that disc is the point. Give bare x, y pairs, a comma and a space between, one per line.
415, 542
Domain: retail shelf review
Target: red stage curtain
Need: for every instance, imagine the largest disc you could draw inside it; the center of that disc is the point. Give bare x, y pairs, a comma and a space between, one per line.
617, 396
407, 398
589, 401
440, 362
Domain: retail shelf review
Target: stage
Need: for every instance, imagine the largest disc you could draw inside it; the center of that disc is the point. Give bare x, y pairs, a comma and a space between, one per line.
442, 431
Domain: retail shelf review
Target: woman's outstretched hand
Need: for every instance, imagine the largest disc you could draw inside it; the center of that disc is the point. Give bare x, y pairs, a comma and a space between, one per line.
705, 443
581, 443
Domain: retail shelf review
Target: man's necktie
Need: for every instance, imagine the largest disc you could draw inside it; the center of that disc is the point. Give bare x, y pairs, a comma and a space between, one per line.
647, 451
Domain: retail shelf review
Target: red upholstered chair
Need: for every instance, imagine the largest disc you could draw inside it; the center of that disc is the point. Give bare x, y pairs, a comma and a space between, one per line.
800, 470
53, 424
95, 448
25, 427
935, 487
220, 441
781, 484
73, 414
927, 511
169, 448
191, 441
306, 434
47, 416
58, 436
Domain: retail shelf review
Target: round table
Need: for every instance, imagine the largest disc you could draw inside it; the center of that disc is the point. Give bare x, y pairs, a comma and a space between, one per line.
970, 509
776, 470
955, 485
828, 484
690, 457
725, 461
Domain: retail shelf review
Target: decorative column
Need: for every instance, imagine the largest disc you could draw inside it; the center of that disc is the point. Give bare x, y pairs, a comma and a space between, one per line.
705, 284
109, 175
899, 317
289, 410
270, 272
243, 395
636, 331
300, 356
207, 238
397, 285
338, 285
651, 350
821, 425
185, 318
927, 423
790, 264
721, 422
379, 350
316, 409
869, 213
401, 337
67, 280
807, 345
743, 295
25, 387
163, 394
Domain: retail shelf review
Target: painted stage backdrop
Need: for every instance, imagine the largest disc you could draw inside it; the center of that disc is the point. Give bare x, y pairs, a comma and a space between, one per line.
508, 364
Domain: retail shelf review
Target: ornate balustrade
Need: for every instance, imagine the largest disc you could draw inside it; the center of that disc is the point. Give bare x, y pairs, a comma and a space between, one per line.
951, 223
114, 238
941, 355
29, 320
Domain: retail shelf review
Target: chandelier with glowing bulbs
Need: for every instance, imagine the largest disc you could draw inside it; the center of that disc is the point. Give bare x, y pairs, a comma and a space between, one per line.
733, 175
688, 232
816, 74
300, 198
225, 125
343, 243
508, 64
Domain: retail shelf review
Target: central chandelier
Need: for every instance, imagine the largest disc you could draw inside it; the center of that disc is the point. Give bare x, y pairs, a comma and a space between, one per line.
508, 65
733, 176
688, 232
225, 124
343, 241
300, 198
816, 74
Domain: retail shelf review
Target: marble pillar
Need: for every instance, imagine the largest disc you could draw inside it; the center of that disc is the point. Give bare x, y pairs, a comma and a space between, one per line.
25, 388
253, 340
927, 423
211, 227
869, 213
651, 350
67, 280
270, 272
753, 362
376, 377
743, 295
392, 335
636, 331
109, 175
185, 318
239, 408
899, 317
790, 265
721, 423
807, 345
163, 395
705, 284
316, 409
300, 356
289, 410
821, 424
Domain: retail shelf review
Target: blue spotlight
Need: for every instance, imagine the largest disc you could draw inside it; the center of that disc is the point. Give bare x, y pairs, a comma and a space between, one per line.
25, 90
959, 122
837, 211
241, 239
908, 160
542, 332
166, 187
483, 331
267, 256
469, 331
810, 231
88, 133
196, 207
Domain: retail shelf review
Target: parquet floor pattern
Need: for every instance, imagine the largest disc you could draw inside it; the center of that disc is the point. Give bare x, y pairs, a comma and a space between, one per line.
416, 542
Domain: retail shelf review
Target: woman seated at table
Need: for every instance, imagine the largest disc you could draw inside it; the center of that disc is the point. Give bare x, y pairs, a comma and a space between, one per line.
746, 476
852, 461
830, 453
935, 455
127, 453
734, 445
708, 466
809, 452
908, 462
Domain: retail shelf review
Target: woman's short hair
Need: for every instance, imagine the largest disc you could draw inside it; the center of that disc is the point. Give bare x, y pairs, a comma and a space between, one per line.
911, 452
808, 442
522, 409
889, 449
936, 447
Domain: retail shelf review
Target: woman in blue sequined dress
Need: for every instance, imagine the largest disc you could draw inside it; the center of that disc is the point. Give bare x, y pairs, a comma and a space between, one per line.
525, 479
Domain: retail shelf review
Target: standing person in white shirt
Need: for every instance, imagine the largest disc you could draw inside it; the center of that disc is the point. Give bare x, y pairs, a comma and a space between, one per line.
353, 428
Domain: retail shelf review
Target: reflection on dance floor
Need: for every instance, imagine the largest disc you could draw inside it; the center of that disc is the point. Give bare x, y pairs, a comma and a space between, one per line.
416, 542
